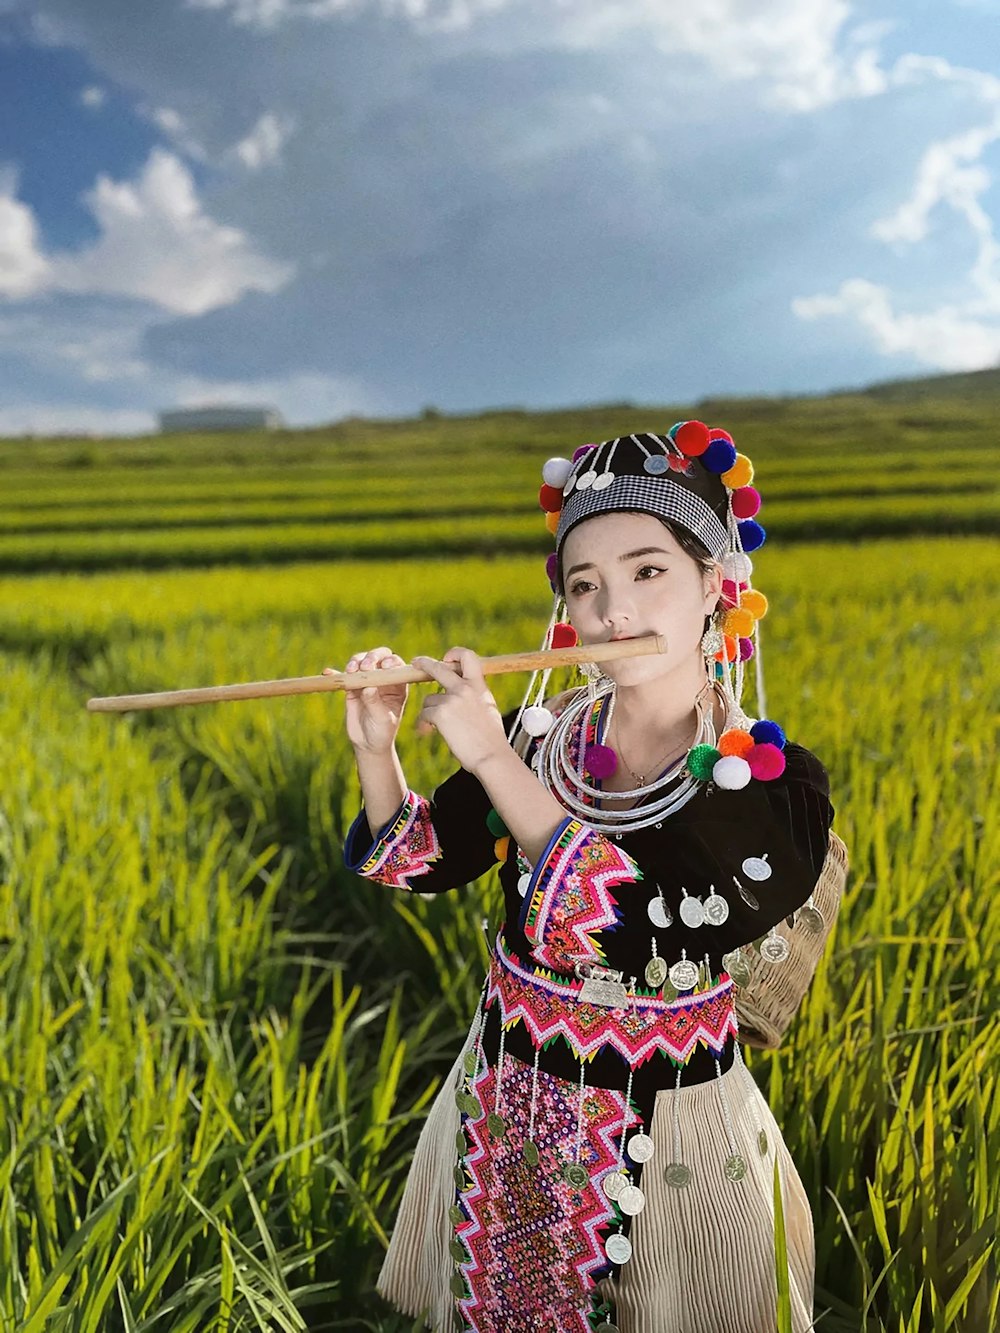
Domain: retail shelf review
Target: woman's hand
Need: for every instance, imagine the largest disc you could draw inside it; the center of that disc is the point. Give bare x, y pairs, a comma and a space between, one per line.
465, 712
374, 712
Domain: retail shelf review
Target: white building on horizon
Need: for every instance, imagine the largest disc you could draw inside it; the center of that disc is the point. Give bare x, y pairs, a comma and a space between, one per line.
219, 416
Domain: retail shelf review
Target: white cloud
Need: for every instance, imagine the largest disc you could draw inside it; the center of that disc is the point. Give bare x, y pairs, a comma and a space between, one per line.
947, 338
44, 419
262, 146
951, 177
93, 97
156, 244
24, 270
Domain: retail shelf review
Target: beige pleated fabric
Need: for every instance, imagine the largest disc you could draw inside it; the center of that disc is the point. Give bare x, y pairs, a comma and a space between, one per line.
703, 1255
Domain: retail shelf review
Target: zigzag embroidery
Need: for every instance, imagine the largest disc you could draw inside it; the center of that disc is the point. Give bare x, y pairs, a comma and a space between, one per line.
407, 849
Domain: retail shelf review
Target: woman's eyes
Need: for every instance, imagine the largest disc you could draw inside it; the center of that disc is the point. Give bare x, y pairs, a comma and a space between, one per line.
582, 585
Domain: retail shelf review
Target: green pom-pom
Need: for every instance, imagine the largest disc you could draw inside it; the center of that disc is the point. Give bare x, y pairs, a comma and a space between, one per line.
496, 825
701, 760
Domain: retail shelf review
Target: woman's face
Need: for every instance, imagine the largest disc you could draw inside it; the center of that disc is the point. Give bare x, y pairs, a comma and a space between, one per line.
625, 575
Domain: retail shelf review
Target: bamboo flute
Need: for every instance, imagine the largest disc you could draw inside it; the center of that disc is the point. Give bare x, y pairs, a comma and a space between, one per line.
540, 660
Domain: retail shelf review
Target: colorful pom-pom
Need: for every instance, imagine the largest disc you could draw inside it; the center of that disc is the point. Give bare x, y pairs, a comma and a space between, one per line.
551, 567
755, 602
746, 649
731, 772
672, 432
736, 741
583, 449
495, 824
550, 499
716, 433
766, 762
552, 523
536, 720
751, 534
600, 761
691, 438
746, 501
766, 732
501, 847
739, 622
728, 650
555, 472
740, 474
736, 565
719, 456
564, 636
701, 760
719, 669
729, 590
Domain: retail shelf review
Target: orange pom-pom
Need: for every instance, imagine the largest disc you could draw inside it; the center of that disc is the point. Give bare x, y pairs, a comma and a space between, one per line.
740, 474
552, 522
501, 847
755, 602
735, 741
550, 499
738, 621
728, 650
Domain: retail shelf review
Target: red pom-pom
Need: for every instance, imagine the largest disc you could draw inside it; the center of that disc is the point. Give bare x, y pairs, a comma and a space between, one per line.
729, 591
766, 762
692, 438
563, 635
716, 434
550, 499
746, 501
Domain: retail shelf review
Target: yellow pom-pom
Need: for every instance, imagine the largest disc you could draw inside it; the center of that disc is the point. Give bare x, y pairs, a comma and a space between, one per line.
735, 741
738, 621
755, 602
740, 474
501, 847
552, 522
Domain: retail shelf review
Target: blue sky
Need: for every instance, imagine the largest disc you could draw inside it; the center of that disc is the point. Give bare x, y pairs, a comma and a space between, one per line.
339, 206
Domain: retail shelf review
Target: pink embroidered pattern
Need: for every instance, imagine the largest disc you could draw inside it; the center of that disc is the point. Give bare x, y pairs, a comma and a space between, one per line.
550, 1008
571, 900
407, 849
536, 1244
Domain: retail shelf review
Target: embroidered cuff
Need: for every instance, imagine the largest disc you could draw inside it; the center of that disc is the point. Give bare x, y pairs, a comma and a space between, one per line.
568, 901
403, 848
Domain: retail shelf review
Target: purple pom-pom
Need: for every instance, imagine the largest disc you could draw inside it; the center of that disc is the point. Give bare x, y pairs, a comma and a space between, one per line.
766, 732
719, 456
746, 649
600, 761
552, 567
751, 534
583, 449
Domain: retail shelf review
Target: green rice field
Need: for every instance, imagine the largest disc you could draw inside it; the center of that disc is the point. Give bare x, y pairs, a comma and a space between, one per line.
217, 1046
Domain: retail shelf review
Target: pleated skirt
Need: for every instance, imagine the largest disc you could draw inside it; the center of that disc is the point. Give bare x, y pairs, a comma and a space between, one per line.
703, 1256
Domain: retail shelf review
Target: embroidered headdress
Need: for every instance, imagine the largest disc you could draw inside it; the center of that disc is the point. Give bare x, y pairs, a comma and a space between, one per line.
694, 477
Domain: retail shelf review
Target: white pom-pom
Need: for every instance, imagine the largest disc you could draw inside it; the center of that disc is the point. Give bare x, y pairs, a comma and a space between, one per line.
556, 471
737, 566
731, 772
537, 720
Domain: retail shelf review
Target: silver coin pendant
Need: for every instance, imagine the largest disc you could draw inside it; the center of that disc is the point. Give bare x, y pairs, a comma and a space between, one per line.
774, 948
640, 1147
716, 909
683, 975
631, 1200
618, 1248
658, 913
692, 912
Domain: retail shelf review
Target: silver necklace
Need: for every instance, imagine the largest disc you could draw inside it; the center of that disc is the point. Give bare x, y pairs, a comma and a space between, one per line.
566, 780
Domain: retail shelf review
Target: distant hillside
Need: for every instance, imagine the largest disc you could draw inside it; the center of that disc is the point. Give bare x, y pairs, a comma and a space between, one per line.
978, 385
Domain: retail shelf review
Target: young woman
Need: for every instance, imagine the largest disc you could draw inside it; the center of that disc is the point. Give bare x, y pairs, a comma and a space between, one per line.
600, 1158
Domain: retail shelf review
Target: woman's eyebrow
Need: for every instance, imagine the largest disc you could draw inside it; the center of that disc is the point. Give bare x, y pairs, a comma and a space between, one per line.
629, 555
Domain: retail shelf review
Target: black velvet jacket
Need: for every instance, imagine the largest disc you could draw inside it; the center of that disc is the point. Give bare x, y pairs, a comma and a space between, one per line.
703, 844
